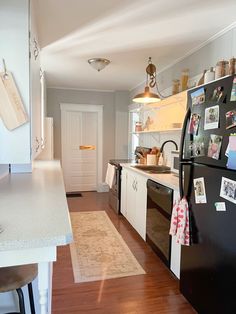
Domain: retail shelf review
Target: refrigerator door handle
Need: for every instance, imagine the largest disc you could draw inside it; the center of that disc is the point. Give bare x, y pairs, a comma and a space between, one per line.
183, 161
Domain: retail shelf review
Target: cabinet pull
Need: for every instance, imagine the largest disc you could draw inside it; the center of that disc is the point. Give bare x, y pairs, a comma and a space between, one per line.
87, 147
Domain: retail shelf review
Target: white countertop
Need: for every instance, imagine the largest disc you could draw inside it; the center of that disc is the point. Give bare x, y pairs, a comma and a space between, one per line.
168, 179
33, 208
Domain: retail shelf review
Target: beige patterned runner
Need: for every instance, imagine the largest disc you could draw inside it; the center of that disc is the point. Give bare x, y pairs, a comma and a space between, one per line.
98, 251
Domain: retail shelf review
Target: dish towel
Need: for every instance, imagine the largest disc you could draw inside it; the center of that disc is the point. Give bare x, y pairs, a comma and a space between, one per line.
110, 175
179, 225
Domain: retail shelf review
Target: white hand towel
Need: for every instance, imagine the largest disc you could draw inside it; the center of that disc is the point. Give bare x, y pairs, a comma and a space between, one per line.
110, 175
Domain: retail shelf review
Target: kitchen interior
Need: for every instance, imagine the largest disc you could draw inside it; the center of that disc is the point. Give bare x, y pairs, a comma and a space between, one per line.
121, 115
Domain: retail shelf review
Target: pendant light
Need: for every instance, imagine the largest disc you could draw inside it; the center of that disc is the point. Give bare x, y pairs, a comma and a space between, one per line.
148, 97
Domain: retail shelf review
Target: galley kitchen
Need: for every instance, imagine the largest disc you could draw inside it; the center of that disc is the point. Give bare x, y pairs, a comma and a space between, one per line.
117, 157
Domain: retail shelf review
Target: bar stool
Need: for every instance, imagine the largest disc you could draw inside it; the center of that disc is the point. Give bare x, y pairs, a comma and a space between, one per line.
14, 278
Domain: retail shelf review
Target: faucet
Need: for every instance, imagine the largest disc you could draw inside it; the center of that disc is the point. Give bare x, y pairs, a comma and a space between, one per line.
162, 159
169, 141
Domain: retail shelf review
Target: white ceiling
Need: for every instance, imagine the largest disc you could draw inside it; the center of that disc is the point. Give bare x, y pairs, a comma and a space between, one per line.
126, 32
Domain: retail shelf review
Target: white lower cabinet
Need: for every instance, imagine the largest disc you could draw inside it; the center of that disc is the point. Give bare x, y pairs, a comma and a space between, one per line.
134, 200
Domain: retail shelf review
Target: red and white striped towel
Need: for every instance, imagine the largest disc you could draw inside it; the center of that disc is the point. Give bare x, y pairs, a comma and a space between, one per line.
179, 225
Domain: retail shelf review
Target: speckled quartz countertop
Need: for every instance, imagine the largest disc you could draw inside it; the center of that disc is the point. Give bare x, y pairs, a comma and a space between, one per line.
33, 208
168, 179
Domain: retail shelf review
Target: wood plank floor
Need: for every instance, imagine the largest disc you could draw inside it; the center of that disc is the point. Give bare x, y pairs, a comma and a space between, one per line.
155, 292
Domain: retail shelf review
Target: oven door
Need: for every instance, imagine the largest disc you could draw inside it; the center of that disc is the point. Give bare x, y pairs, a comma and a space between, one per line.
159, 206
114, 192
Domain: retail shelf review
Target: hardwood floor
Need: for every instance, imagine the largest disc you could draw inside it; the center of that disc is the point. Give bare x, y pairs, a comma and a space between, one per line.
155, 292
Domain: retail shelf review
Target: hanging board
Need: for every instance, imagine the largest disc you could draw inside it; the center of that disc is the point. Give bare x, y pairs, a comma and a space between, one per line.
12, 109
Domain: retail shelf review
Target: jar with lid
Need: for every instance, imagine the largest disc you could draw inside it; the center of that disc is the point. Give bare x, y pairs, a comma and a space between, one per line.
184, 79
138, 126
232, 66
175, 87
222, 69
209, 75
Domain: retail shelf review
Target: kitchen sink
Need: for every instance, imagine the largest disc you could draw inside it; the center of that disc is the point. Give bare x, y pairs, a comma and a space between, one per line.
153, 169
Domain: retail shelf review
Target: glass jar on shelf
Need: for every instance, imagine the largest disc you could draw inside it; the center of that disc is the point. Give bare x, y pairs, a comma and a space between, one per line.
222, 69
138, 126
232, 66
184, 79
175, 86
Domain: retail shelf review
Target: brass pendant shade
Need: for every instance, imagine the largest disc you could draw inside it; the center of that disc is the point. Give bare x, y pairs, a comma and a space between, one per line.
146, 97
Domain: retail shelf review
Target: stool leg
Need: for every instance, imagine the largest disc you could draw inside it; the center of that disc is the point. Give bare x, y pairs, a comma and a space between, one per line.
31, 298
21, 300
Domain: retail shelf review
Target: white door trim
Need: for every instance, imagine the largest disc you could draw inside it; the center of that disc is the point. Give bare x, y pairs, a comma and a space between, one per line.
87, 108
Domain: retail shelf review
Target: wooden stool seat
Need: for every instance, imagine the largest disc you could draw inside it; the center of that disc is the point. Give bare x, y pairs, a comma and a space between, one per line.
15, 277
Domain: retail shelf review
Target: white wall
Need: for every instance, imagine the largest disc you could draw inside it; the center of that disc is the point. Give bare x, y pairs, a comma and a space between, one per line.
115, 117
121, 125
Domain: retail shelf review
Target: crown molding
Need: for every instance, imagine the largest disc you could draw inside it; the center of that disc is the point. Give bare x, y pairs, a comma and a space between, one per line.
81, 90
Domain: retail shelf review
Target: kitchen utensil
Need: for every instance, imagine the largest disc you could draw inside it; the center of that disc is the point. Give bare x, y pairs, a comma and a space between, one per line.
151, 159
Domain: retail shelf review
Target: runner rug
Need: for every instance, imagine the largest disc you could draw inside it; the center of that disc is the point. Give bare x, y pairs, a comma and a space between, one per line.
98, 251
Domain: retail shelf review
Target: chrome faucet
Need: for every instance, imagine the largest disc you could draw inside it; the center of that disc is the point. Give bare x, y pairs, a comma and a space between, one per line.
169, 141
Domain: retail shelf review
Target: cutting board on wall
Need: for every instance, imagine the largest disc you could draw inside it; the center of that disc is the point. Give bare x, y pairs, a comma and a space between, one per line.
12, 110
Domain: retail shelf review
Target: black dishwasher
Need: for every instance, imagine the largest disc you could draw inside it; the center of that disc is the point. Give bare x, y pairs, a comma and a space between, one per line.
159, 208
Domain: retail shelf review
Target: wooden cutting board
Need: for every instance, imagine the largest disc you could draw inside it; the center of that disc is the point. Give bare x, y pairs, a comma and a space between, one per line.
12, 110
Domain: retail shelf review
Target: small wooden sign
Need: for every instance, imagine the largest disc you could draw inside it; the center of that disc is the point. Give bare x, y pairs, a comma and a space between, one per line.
12, 110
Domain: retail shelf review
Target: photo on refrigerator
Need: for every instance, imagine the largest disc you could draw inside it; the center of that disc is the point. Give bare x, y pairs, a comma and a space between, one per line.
228, 189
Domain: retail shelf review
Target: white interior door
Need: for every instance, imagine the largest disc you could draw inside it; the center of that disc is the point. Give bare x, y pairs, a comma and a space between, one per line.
80, 150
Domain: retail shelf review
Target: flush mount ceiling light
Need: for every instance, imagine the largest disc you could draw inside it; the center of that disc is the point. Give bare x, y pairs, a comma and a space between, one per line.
98, 63
148, 97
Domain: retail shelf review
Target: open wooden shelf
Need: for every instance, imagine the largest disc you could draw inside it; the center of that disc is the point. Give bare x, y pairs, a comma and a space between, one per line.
157, 131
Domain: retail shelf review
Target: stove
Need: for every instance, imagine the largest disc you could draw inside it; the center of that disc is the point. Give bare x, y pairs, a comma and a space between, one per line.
115, 190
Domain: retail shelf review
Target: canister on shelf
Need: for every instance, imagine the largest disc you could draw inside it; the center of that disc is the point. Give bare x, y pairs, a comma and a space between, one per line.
138, 126
184, 79
222, 69
175, 87
209, 75
232, 66
201, 80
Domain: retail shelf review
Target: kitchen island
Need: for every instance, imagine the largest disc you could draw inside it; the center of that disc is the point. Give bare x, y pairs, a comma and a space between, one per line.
34, 220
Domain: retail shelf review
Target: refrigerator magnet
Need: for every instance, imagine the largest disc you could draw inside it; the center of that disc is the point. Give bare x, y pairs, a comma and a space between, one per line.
220, 206
198, 97
228, 189
233, 91
217, 94
211, 118
199, 190
230, 117
214, 146
194, 124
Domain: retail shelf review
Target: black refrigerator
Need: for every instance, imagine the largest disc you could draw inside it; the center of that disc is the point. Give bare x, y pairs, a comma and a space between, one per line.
208, 180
